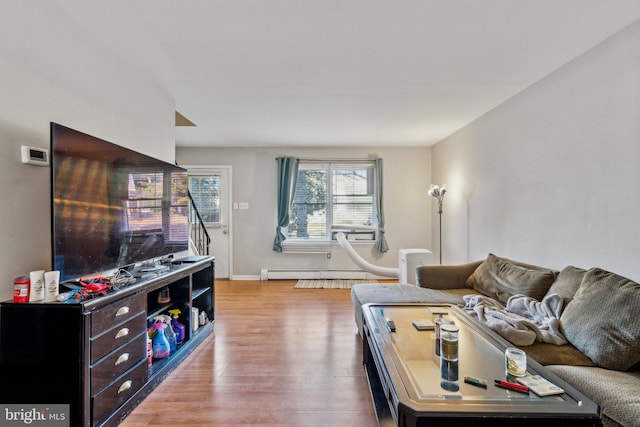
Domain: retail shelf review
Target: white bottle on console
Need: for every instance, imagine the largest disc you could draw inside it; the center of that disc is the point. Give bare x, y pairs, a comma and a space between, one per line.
195, 321
36, 293
51, 282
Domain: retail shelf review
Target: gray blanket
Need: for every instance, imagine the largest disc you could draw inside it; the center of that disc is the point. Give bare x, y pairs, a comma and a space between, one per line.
524, 319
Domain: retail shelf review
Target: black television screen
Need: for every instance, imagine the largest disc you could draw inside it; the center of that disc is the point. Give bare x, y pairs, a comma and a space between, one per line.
111, 206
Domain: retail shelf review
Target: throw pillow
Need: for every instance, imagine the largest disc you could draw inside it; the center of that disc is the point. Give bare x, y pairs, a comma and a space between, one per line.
501, 278
567, 282
603, 319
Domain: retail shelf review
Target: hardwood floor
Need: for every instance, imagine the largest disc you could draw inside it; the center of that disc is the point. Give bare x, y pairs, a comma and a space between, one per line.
279, 356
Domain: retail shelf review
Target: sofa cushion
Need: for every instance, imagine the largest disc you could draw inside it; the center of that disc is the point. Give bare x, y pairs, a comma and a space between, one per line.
603, 319
616, 392
551, 354
567, 282
438, 276
501, 278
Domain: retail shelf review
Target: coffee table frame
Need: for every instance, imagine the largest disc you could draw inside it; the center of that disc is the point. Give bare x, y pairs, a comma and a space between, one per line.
398, 403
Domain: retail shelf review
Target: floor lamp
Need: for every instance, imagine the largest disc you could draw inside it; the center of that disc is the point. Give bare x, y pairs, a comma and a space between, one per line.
438, 192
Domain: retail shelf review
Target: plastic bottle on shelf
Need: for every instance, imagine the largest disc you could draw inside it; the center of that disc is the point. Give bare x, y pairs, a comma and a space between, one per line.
178, 326
149, 348
160, 345
195, 321
168, 332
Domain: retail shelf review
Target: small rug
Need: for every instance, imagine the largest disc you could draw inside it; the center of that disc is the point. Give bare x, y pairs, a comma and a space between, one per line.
330, 283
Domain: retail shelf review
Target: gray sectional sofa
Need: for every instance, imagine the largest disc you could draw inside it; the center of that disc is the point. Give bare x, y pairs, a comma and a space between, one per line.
598, 314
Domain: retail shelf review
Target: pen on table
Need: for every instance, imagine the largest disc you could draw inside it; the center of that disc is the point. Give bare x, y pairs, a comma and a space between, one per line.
512, 386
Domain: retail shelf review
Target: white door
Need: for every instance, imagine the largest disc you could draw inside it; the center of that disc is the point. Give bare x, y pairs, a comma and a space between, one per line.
210, 187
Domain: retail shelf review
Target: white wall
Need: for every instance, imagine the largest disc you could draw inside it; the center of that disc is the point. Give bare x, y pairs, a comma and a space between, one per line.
52, 70
552, 176
408, 210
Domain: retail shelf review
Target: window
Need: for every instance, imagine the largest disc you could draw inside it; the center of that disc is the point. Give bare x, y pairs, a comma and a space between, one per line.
205, 190
143, 206
147, 200
328, 194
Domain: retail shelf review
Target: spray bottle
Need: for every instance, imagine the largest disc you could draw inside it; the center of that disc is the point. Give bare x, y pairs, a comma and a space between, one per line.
160, 343
168, 332
178, 326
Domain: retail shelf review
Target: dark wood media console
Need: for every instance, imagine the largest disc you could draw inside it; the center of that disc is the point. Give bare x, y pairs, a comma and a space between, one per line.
93, 355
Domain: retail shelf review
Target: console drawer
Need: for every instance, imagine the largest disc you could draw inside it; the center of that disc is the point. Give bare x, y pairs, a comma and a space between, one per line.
116, 313
117, 336
118, 392
117, 362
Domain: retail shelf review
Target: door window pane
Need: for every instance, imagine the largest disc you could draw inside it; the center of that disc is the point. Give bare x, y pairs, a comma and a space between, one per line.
205, 190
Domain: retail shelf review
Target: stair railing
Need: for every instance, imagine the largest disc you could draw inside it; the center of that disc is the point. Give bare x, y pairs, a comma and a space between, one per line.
199, 234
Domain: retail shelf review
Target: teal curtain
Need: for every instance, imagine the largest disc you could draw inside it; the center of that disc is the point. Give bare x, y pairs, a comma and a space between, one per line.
287, 177
381, 243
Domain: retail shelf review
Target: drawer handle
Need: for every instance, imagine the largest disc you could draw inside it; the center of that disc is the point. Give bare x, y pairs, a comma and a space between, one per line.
125, 386
122, 311
122, 333
122, 358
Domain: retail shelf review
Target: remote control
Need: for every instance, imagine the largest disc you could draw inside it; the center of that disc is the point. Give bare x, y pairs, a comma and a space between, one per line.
390, 325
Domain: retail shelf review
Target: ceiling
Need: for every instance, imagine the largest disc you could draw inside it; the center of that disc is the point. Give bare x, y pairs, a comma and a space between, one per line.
252, 73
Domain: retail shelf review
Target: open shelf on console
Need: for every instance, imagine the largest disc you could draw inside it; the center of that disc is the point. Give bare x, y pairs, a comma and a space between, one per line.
197, 292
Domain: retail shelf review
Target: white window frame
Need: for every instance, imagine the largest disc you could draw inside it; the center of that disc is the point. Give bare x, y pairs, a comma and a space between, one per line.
364, 234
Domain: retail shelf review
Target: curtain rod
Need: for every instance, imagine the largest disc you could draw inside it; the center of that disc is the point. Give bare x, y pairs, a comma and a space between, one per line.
338, 160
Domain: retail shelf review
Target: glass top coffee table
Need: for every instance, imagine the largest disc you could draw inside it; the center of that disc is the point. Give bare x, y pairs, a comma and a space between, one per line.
406, 382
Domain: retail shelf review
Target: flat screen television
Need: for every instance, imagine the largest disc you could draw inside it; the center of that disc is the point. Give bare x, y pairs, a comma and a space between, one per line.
112, 207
